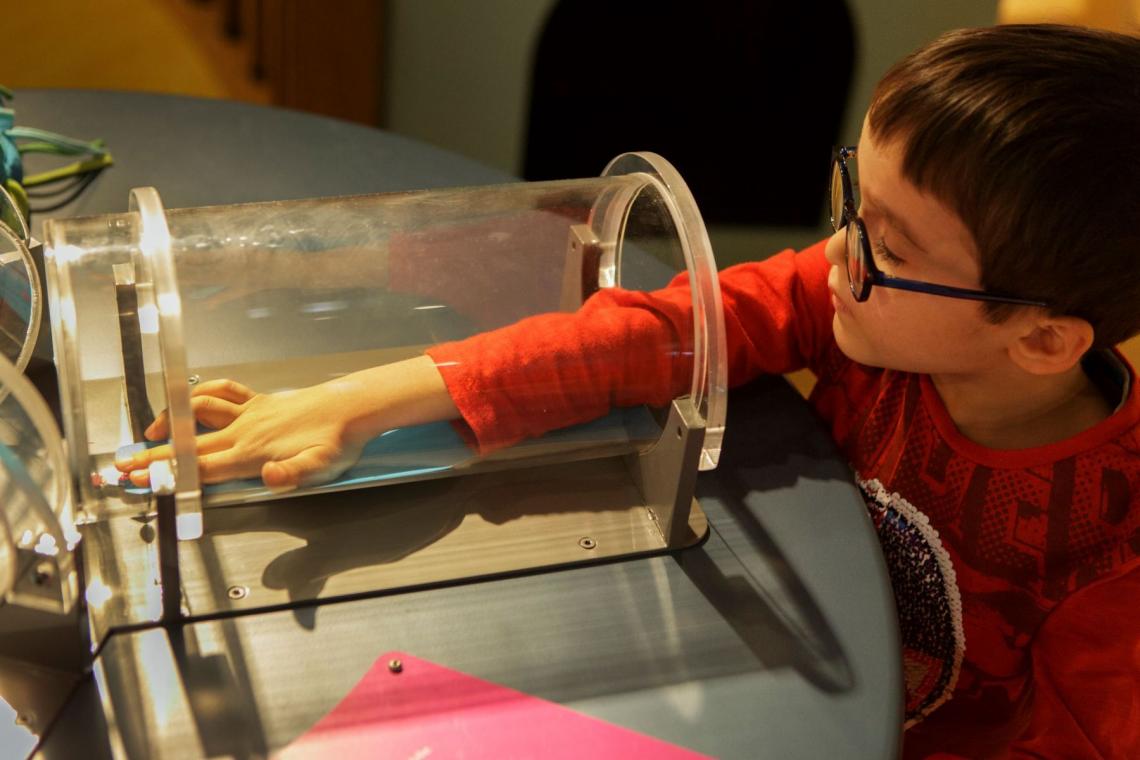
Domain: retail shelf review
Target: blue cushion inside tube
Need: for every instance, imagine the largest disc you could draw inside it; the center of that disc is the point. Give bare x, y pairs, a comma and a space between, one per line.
411, 452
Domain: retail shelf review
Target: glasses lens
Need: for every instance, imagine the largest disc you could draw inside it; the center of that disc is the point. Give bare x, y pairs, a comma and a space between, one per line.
836, 196
856, 264
853, 177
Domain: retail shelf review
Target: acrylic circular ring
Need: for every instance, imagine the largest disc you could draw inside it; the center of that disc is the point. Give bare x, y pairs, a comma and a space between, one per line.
20, 291
157, 261
710, 371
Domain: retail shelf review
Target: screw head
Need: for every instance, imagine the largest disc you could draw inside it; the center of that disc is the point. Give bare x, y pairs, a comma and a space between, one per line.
193, 379
395, 666
587, 543
43, 573
237, 592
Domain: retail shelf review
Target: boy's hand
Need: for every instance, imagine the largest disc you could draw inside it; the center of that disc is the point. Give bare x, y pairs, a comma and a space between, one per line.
290, 439
301, 437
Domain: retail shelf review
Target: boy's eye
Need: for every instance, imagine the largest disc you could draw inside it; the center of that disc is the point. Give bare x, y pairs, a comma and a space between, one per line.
881, 250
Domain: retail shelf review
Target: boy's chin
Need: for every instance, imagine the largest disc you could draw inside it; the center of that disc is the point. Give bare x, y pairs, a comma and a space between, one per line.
852, 346
864, 358
856, 349
870, 356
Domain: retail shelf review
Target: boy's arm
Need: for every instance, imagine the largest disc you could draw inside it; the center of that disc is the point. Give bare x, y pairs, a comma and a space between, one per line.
624, 348
777, 314
1086, 675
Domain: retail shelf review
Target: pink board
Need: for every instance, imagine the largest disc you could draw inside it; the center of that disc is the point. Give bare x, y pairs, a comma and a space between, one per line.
428, 711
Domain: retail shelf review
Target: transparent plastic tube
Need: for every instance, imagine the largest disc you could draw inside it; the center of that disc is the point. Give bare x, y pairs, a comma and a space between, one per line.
284, 295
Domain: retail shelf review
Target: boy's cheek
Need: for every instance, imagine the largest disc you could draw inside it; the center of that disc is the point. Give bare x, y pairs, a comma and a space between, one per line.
854, 349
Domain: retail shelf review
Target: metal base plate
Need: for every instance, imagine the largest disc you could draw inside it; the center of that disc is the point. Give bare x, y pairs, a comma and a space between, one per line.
308, 549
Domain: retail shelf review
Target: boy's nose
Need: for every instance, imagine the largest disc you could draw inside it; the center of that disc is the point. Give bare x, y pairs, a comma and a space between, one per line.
836, 249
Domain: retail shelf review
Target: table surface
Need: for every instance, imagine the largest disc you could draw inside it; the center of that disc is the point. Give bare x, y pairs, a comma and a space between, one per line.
776, 637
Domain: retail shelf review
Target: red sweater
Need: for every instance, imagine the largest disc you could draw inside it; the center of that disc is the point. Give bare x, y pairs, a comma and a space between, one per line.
1016, 573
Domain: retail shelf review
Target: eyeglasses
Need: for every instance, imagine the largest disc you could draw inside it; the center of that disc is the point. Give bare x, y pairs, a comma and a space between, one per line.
862, 272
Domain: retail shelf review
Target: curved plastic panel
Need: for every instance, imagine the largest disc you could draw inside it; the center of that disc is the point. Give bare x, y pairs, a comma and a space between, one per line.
58, 258
710, 364
21, 297
37, 529
156, 266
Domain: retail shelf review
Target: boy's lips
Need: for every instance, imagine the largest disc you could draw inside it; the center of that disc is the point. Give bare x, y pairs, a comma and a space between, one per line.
837, 302
834, 283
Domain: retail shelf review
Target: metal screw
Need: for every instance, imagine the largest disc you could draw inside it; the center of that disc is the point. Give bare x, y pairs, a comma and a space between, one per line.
237, 592
587, 543
193, 380
395, 666
44, 573
25, 719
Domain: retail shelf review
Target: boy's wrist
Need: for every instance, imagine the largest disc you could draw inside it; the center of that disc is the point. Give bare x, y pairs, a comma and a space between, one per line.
401, 394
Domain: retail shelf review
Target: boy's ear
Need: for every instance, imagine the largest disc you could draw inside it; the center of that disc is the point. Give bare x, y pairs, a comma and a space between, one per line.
1051, 344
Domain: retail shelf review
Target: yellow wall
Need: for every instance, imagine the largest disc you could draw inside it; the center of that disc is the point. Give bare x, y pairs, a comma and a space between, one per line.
153, 45
1118, 15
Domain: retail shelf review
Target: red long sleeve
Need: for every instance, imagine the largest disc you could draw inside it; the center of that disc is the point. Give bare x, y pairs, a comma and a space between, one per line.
1086, 676
624, 348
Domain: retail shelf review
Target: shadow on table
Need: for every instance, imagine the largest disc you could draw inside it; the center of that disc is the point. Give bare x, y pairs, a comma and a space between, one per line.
774, 445
776, 635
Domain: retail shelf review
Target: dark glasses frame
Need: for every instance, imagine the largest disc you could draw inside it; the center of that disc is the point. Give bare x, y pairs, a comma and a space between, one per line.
862, 272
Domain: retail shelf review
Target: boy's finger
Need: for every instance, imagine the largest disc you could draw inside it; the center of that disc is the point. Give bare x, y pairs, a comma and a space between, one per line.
206, 444
140, 459
158, 429
229, 390
225, 465
213, 411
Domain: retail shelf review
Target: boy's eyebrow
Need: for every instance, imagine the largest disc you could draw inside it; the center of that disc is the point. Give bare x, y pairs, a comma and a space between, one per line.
893, 219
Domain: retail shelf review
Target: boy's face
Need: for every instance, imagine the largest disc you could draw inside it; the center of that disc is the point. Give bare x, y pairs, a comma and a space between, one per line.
912, 235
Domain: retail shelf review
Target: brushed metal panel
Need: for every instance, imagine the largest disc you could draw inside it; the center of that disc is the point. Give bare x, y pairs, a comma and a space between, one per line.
368, 541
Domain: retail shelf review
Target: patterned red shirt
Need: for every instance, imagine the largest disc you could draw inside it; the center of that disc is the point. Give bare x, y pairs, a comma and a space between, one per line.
1016, 573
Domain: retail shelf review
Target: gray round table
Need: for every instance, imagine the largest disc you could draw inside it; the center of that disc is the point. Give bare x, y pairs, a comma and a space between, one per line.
775, 637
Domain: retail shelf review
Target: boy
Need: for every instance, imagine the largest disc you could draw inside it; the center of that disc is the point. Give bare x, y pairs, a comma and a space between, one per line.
960, 321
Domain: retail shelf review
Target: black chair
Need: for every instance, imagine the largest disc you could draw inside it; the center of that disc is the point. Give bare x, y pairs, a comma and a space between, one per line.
744, 98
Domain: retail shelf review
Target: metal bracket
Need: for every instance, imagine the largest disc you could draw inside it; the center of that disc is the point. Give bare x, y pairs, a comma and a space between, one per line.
130, 336
583, 258
666, 475
169, 570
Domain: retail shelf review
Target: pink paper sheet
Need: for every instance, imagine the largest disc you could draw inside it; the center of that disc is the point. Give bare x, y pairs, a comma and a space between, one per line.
429, 711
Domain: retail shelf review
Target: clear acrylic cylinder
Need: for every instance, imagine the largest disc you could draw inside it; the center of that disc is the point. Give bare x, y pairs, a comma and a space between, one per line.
283, 295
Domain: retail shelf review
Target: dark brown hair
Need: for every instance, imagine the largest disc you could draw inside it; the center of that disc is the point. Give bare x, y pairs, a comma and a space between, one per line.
1031, 134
